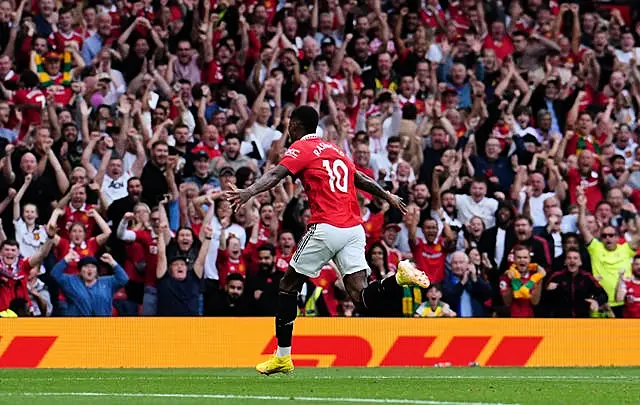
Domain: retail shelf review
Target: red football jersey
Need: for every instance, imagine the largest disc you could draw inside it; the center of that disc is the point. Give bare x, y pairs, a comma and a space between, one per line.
327, 175
520, 307
58, 40
87, 248
149, 241
226, 265
282, 261
632, 300
30, 116
79, 215
430, 258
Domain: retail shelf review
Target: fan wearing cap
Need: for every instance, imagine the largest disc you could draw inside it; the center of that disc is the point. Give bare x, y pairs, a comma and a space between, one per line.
178, 287
201, 175
388, 241
87, 293
56, 72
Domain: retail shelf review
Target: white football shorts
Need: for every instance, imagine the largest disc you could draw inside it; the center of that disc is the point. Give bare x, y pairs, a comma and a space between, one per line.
324, 242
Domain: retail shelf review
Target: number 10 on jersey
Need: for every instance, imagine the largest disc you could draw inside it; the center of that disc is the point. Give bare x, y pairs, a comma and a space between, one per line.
338, 175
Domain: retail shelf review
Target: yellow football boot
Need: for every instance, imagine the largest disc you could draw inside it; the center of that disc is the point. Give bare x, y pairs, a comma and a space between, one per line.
408, 275
276, 365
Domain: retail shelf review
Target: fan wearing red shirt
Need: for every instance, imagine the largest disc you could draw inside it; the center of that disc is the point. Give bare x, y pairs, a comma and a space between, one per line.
335, 231
373, 223
232, 258
284, 253
63, 32
57, 87
388, 241
430, 255
76, 210
31, 100
79, 240
628, 290
407, 94
14, 270
327, 280
268, 224
499, 41
520, 286
323, 84
588, 178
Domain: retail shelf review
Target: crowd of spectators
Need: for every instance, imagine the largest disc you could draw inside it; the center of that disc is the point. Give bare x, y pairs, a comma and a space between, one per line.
510, 128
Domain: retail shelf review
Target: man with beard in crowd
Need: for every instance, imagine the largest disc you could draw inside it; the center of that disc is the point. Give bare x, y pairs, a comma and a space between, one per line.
231, 301
264, 286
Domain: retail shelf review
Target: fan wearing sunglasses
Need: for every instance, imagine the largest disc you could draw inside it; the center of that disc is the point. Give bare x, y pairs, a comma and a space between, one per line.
608, 257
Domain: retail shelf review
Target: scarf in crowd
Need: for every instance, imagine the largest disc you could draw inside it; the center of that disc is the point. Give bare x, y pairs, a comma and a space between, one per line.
45, 79
522, 289
411, 300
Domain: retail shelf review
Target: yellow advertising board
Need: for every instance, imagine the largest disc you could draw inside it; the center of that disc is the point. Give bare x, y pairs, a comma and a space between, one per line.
320, 342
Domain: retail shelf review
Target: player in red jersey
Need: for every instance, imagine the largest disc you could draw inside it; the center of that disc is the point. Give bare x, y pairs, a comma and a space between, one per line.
330, 180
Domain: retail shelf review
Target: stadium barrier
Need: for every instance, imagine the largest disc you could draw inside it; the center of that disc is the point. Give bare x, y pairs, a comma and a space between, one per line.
321, 342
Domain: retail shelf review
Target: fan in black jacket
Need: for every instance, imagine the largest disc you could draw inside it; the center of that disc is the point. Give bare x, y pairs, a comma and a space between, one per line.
570, 292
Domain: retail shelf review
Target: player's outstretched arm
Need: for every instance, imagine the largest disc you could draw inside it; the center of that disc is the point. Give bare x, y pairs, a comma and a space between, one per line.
269, 180
366, 183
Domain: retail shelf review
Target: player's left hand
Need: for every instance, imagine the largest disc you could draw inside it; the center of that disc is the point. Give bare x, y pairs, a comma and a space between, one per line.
396, 202
237, 197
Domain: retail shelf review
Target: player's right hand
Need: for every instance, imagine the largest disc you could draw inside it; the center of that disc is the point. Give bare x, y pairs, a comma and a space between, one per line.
396, 202
237, 197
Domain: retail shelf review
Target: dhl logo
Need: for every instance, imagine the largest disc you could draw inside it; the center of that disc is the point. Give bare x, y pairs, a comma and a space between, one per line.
26, 351
355, 351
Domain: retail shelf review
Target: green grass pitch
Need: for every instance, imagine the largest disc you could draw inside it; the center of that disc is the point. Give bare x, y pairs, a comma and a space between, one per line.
330, 386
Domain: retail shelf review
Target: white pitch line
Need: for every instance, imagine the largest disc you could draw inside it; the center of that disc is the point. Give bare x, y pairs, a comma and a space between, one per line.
325, 377
245, 397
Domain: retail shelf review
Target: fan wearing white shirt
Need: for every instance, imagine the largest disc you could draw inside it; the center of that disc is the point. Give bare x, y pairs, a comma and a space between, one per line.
477, 204
387, 163
628, 49
110, 175
531, 198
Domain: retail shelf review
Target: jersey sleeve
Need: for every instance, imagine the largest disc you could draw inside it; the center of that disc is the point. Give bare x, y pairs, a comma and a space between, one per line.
293, 159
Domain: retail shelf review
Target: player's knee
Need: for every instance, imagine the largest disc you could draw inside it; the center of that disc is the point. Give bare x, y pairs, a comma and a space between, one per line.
291, 282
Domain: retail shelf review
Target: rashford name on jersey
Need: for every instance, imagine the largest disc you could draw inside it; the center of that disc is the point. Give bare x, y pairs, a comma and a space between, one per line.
327, 176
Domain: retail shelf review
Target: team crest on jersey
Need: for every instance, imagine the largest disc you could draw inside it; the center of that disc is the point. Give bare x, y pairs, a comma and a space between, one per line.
293, 153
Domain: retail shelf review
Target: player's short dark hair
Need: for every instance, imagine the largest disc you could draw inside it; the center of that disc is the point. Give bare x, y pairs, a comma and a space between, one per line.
636, 257
134, 178
269, 248
307, 116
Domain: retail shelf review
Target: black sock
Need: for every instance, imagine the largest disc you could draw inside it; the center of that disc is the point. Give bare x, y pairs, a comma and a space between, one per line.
377, 296
287, 311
